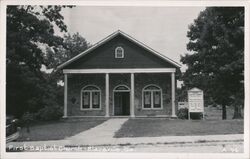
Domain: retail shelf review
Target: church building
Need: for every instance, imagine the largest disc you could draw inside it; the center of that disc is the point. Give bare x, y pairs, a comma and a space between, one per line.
119, 76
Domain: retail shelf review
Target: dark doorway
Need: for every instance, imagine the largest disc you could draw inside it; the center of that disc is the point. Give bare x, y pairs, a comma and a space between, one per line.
121, 103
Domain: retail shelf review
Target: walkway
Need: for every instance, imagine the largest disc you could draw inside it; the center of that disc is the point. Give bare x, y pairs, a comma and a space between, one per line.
103, 135
99, 135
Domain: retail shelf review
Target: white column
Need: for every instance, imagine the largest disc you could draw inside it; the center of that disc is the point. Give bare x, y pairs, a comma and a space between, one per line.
173, 93
107, 94
65, 95
132, 95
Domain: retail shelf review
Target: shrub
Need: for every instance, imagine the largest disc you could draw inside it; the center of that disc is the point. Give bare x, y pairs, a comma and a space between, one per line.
50, 113
182, 113
27, 119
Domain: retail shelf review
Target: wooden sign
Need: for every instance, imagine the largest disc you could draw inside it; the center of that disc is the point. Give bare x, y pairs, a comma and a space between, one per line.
195, 101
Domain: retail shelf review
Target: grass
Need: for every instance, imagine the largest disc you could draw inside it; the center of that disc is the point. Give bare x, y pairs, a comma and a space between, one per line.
57, 130
146, 127
215, 113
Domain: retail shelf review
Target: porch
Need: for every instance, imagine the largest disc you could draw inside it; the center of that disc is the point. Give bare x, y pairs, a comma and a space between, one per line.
133, 95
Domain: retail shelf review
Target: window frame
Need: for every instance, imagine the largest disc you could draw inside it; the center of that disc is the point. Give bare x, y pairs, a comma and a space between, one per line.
116, 49
83, 90
152, 97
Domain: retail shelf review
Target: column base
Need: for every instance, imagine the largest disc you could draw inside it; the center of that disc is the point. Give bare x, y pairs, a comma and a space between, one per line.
173, 116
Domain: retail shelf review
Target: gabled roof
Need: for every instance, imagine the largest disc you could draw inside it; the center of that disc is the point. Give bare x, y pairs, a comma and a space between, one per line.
111, 36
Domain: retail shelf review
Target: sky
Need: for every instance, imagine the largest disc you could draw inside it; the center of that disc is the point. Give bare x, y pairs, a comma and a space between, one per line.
164, 29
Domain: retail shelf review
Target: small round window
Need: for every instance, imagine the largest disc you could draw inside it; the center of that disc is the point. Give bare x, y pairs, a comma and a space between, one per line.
119, 52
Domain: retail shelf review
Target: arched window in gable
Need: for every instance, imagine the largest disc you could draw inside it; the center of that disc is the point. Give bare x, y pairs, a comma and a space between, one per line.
119, 52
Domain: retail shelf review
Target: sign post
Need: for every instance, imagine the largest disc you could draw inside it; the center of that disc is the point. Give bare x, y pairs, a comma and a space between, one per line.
182, 105
195, 102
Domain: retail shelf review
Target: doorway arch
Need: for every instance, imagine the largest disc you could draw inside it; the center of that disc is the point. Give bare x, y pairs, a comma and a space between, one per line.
121, 100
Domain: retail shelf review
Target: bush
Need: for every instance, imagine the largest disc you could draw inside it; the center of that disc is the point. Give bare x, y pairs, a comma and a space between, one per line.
27, 119
49, 113
182, 113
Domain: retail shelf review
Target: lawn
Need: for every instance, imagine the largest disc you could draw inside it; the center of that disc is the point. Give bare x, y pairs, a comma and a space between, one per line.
58, 130
165, 127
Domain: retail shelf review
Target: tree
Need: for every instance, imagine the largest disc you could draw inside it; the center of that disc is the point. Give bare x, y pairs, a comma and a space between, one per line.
29, 27
216, 39
71, 46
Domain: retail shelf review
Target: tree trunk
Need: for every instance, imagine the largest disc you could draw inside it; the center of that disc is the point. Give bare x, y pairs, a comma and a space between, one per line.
224, 112
28, 127
237, 112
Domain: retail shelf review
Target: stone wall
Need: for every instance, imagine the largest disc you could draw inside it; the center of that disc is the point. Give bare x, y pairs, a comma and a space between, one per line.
161, 80
77, 81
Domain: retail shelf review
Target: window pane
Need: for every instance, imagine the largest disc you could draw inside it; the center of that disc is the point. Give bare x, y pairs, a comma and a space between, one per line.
157, 99
147, 99
96, 99
86, 100
119, 52
119, 55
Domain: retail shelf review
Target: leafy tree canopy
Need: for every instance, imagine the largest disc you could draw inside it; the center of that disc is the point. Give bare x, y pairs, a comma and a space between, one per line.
216, 65
71, 46
27, 28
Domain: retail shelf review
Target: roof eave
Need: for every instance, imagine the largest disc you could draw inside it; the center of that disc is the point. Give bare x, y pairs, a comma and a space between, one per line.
108, 38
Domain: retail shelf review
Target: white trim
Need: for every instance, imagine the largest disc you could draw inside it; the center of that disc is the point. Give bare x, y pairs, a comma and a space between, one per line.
114, 91
140, 116
150, 49
151, 93
120, 116
107, 94
129, 70
121, 91
116, 53
121, 85
90, 104
65, 95
132, 95
173, 93
111, 36
155, 116
87, 116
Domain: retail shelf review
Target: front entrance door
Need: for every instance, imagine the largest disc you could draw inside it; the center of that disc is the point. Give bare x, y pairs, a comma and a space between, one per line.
121, 103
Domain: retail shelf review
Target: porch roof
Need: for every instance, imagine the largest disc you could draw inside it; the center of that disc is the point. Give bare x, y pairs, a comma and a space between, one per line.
137, 70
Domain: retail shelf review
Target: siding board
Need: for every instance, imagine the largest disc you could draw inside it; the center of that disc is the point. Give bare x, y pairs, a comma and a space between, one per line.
104, 57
